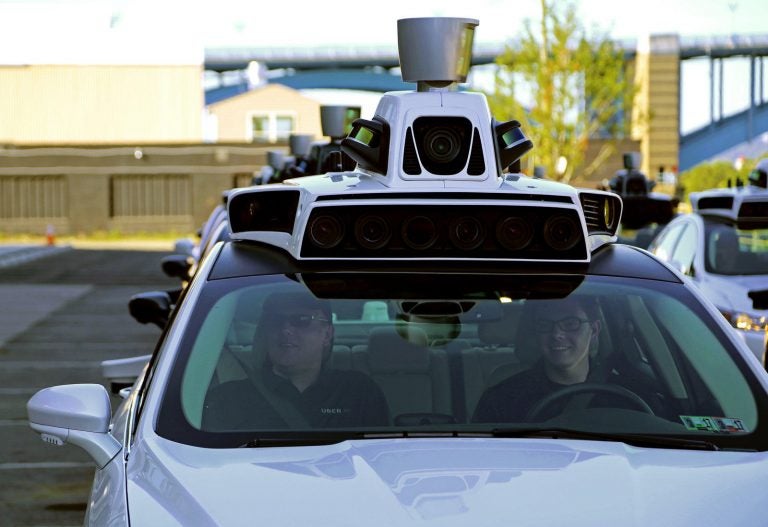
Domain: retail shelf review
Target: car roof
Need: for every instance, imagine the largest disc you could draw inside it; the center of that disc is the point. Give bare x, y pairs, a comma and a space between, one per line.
245, 258
747, 206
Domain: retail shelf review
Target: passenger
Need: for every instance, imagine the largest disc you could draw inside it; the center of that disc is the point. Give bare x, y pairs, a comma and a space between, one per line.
294, 387
567, 331
726, 251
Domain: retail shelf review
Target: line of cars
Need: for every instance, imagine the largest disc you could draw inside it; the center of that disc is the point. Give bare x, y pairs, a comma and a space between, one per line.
429, 338
721, 247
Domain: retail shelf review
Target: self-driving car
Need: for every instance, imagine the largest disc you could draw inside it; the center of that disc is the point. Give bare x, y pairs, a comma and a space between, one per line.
722, 248
430, 338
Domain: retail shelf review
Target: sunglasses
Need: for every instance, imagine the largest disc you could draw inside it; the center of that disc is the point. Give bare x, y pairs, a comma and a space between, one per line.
567, 325
294, 320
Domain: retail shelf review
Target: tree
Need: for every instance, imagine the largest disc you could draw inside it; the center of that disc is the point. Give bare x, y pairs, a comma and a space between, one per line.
715, 174
579, 88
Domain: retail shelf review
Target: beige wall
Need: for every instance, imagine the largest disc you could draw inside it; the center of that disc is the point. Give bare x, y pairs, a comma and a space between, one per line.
612, 164
55, 104
656, 106
78, 189
233, 115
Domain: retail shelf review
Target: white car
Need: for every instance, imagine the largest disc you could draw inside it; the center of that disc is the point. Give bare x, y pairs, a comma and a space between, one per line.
430, 339
722, 248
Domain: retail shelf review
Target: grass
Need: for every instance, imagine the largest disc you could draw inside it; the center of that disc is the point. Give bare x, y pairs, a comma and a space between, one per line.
159, 240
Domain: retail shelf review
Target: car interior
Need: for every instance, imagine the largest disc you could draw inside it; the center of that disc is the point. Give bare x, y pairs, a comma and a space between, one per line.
433, 369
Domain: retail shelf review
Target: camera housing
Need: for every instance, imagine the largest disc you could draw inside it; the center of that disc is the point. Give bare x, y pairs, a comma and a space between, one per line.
435, 177
336, 122
437, 132
642, 206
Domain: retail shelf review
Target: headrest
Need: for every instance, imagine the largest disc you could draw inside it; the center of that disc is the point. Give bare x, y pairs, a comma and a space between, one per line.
501, 332
375, 310
390, 351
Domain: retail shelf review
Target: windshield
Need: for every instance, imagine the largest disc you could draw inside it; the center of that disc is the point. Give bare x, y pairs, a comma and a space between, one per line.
729, 250
284, 357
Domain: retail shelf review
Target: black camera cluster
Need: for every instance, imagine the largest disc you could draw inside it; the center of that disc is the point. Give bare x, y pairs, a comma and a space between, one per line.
308, 157
642, 206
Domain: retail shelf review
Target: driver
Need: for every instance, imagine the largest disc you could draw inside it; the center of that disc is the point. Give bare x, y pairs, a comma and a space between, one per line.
566, 331
294, 386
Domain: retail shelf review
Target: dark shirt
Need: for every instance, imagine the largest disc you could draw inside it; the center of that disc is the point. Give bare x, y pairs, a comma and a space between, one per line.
338, 398
511, 400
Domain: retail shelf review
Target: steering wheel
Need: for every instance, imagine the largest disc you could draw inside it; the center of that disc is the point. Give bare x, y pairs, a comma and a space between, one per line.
613, 389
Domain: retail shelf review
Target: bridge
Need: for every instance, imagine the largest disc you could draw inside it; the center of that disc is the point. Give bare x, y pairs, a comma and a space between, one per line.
660, 63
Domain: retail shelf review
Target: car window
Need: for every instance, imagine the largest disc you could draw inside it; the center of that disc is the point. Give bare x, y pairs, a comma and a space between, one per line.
685, 249
665, 243
470, 356
733, 251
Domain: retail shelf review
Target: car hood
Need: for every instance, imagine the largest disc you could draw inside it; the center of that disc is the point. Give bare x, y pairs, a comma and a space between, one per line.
731, 292
445, 482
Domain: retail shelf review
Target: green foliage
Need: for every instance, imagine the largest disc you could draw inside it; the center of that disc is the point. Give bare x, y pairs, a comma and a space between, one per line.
717, 174
579, 85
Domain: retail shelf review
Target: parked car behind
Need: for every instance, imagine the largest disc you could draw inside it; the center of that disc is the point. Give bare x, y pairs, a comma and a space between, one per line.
722, 248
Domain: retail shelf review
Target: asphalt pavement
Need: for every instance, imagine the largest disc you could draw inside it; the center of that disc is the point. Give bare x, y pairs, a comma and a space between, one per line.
62, 311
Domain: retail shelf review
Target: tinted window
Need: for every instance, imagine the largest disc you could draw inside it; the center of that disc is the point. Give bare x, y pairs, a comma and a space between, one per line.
317, 360
729, 250
685, 250
665, 244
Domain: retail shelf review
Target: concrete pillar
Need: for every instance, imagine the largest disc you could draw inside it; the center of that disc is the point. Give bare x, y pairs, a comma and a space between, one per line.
656, 110
88, 199
207, 192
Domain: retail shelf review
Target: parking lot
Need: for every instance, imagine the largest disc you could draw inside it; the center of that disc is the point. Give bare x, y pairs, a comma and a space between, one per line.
64, 310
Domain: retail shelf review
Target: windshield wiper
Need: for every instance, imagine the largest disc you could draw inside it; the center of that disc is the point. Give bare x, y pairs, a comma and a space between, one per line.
299, 438
641, 440
311, 438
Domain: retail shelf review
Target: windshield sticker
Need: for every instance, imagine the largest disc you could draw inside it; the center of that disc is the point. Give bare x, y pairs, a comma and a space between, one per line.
722, 425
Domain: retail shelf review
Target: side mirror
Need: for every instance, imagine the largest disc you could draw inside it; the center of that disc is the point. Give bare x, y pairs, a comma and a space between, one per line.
177, 265
78, 414
122, 373
184, 246
152, 307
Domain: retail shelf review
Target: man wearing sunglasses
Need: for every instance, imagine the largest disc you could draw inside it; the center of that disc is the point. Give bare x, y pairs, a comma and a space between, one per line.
566, 334
294, 386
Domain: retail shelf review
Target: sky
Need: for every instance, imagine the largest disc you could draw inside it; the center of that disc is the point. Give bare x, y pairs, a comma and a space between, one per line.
340, 22
178, 31
60, 25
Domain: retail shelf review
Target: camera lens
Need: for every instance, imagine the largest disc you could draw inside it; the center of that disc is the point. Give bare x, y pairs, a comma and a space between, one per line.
326, 231
466, 233
419, 232
514, 233
609, 214
442, 145
561, 232
372, 232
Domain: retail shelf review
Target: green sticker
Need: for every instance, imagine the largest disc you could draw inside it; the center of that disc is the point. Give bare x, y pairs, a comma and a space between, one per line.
722, 425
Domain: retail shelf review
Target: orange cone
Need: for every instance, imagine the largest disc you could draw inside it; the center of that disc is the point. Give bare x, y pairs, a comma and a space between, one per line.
50, 235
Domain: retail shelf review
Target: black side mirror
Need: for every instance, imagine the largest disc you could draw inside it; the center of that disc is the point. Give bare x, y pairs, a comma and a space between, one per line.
177, 266
152, 307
